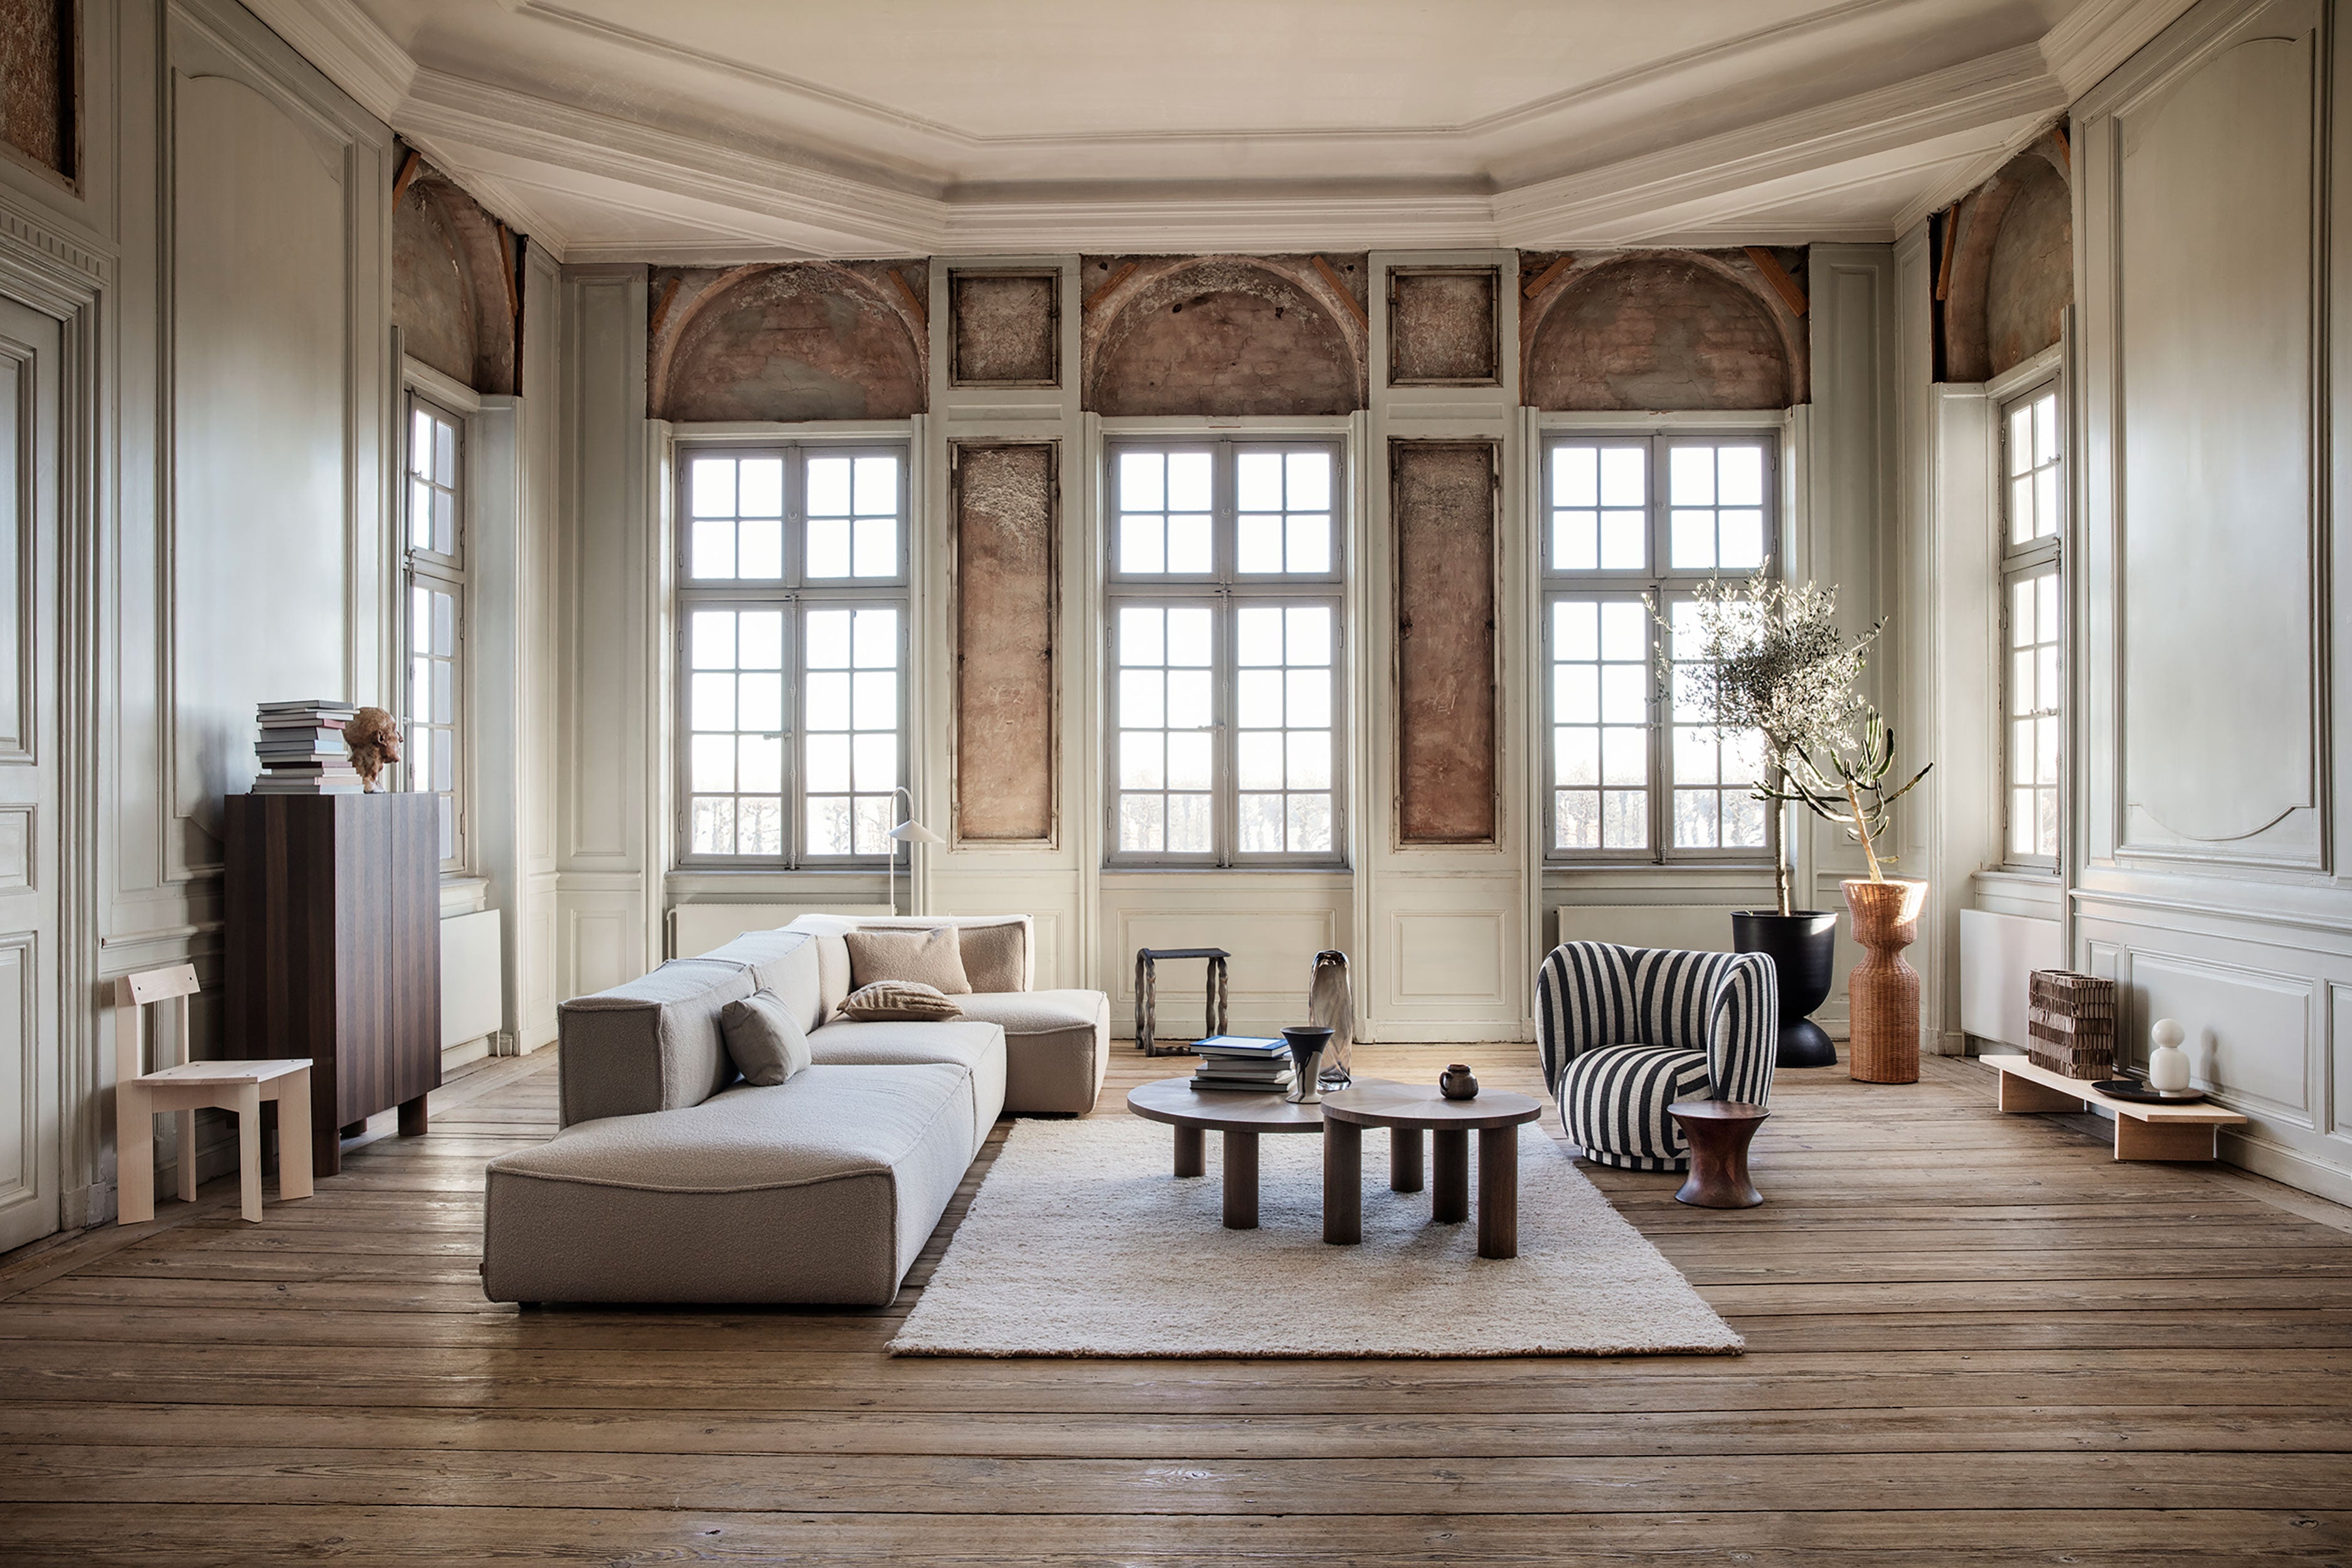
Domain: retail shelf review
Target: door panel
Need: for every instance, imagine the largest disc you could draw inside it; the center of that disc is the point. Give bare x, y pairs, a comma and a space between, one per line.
28, 765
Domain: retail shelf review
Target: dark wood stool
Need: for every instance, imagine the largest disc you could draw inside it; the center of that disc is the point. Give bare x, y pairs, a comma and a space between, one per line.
1719, 1131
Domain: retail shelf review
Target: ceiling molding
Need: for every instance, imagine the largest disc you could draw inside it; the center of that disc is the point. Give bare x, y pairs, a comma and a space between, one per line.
2101, 35
592, 186
1992, 90
345, 43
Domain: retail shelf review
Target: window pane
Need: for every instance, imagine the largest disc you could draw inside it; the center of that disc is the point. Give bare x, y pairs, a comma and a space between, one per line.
827, 632
761, 548
760, 637
828, 486
1142, 543
1257, 481
876, 547
1309, 548
828, 547
876, 488
1575, 477
1257, 544
1189, 765
1188, 638
1189, 552
1188, 481
1140, 636
710, 483
1258, 635
761, 483
1188, 825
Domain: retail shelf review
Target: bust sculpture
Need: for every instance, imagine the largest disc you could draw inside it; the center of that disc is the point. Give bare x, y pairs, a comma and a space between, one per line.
372, 738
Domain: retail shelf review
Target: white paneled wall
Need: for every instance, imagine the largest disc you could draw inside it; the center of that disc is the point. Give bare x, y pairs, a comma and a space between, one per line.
2211, 666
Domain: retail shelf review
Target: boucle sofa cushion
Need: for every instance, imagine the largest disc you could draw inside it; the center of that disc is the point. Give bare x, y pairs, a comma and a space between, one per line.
821, 1189
764, 1039
995, 954
650, 1045
1056, 1045
933, 958
898, 999
976, 1048
782, 961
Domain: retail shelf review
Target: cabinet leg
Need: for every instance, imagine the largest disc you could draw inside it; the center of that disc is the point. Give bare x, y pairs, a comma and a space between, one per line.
1449, 1185
411, 1117
1343, 1183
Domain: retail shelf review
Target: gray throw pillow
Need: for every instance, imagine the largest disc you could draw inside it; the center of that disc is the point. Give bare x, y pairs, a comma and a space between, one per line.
933, 958
766, 1041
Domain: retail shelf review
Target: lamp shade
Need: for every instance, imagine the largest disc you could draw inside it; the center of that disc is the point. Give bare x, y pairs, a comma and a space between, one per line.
913, 832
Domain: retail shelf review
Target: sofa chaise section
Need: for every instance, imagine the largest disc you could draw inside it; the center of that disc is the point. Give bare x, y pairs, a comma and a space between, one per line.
821, 1190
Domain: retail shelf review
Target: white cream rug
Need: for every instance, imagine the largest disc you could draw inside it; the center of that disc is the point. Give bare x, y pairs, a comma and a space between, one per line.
1081, 1243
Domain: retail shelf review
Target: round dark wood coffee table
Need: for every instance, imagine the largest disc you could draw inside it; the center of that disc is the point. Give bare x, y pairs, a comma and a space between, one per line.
1242, 1115
1719, 1131
1406, 1110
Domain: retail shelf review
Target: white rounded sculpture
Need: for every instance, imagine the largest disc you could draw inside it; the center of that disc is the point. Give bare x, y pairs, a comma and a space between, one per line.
2167, 1064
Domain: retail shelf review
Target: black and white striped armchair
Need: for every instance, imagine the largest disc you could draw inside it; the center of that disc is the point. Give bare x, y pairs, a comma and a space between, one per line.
1627, 1031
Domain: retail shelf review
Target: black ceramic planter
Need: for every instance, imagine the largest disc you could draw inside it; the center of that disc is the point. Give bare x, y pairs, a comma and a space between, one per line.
1803, 949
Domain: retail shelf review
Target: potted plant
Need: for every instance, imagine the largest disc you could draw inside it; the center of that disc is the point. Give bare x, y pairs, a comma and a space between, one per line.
1769, 658
1883, 991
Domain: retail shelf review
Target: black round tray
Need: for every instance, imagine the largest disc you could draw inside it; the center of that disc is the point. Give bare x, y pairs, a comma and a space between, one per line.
2132, 1089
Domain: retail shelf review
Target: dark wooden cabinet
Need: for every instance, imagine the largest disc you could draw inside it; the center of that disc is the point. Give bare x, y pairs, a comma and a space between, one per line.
333, 916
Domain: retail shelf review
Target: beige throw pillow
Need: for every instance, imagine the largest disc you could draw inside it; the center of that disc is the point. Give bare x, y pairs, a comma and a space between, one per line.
904, 1000
932, 958
763, 1039
992, 956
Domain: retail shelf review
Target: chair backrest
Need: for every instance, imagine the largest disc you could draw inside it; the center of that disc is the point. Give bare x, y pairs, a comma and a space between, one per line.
1591, 994
133, 993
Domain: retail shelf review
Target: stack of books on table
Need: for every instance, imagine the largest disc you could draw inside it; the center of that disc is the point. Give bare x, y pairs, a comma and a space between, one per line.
301, 750
1242, 1061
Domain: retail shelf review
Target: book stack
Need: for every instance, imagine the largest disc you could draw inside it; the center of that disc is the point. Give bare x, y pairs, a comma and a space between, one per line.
301, 750
1242, 1061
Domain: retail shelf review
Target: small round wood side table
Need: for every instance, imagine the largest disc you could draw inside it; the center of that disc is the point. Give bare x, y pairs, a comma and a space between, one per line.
1406, 1110
1241, 1115
1719, 1131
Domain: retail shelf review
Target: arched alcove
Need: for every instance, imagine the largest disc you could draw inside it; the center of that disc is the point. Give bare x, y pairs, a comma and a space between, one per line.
1662, 329
1223, 336
449, 288
799, 340
2012, 267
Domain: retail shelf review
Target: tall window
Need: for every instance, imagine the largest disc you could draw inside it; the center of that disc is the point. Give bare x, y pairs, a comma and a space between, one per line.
793, 646
435, 631
2033, 509
1637, 774
1226, 631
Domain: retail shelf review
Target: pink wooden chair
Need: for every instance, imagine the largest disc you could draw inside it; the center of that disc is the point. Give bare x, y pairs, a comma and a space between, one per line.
188, 1087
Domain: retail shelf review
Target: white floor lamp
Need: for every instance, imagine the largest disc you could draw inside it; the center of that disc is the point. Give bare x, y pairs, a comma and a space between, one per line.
908, 832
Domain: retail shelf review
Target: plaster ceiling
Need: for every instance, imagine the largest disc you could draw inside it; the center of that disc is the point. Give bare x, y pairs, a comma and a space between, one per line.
740, 129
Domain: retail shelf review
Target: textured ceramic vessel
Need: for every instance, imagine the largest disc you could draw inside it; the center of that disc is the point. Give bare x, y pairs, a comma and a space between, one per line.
1883, 991
1458, 1083
1802, 946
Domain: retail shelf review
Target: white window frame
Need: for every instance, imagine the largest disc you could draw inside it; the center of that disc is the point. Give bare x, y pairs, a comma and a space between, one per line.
1224, 590
2040, 557
1664, 586
447, 571
795, 594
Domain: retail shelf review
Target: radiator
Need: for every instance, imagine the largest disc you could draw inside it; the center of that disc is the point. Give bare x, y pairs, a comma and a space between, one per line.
473, 989
1997, 953
696, 928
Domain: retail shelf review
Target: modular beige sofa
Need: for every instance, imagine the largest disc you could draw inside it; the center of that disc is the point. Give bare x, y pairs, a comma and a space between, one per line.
674, 1181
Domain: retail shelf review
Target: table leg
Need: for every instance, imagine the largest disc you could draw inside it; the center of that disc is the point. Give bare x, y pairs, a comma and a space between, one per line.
1343, 1183
1498, 1192
1241, 1181
1405, 1159
1191, 1158
1449, 1185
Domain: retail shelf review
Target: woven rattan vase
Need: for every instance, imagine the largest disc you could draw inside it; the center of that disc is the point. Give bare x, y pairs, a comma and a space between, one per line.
1882, 992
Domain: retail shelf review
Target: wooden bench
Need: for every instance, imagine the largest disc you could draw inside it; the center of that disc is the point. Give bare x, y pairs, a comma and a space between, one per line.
2142, 1132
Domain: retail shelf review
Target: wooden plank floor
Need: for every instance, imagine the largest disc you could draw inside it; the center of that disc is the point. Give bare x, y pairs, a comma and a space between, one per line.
1972, 1339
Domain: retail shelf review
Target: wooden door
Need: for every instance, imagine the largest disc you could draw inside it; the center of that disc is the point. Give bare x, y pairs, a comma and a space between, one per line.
29, 1174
